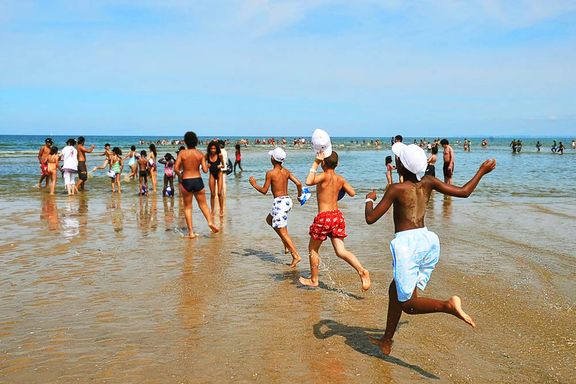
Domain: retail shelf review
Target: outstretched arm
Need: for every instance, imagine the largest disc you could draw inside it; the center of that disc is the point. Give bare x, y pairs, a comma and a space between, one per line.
262, 189
371, 213
467, 189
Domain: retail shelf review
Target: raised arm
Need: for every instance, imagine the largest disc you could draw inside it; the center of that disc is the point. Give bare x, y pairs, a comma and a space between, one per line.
371, 213
467, 189
313, 178
263, 189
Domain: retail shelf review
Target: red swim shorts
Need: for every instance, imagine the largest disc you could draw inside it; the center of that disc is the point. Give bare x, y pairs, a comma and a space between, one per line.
44, 169
328, 224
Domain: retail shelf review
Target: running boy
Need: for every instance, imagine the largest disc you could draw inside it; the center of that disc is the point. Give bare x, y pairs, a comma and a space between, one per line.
277, 178
108, 155
330, 221
415, 250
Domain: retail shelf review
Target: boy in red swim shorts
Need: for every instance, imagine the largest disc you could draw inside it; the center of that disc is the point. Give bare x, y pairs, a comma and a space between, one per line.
329, 222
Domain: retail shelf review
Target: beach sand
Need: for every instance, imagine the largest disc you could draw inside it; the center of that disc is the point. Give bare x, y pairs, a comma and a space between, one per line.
105, 289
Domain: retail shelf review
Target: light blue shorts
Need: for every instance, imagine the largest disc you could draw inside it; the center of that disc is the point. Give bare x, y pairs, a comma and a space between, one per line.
414, 255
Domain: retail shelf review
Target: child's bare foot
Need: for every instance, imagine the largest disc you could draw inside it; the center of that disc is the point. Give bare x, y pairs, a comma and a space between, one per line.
385, 345
307, 282
192, 235
295, 260
213, 228
456, 306
365, 277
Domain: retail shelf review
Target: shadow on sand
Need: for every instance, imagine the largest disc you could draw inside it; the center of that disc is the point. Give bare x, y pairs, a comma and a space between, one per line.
357, 338
291, 275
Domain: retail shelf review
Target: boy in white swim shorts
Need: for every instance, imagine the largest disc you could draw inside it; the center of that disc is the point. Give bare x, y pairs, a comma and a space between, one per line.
415, 250
277, 178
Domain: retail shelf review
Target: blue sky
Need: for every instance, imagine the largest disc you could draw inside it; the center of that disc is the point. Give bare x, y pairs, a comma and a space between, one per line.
256, 67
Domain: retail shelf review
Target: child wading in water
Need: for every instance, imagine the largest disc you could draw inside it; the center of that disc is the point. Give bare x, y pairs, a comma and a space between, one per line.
143, 173
330, 221
415, 250
53, 167
168, 161
116, 166
277, 178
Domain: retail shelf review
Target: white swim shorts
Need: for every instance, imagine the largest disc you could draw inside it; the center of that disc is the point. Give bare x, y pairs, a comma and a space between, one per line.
282, 205
414, 255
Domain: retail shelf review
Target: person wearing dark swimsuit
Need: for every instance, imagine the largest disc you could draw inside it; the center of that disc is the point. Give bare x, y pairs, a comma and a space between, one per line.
214, 161
187, 168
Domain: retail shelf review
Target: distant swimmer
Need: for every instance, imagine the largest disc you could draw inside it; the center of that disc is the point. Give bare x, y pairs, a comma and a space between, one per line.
560, 148
277, 179
43, 154
415, 249
329, 222
389, 168
188, 164
538, 145
238, 158
448, 167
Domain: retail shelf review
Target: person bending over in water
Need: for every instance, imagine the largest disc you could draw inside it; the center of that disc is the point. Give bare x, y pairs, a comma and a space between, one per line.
330, 221
277, 178
415, 249
187, 167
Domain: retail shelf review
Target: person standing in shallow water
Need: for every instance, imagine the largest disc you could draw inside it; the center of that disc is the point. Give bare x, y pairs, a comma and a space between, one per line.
43, 154
188, 164
82, 169
415, 249
448, 168
277, 178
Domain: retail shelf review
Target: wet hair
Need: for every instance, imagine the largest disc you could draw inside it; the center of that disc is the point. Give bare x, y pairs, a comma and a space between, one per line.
388, 160
53, 150
71, 142
81, 140
152, 148
190, 139
444, 142
117, 151
398, 138
434, 149
48, 140
331, 162
213, 143
181, 148
143, 153
106, 145
168, 157
133, 148
237, 146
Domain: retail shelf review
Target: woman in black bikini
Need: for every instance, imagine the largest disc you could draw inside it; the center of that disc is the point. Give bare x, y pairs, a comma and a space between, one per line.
215, 164
187, 167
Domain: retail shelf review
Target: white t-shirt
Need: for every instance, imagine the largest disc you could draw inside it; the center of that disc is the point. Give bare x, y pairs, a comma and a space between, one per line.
224, 159
70, 158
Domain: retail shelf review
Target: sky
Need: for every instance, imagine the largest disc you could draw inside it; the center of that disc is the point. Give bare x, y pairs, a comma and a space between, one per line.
371, 68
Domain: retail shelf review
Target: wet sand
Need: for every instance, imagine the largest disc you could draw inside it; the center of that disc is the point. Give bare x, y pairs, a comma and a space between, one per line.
105, 289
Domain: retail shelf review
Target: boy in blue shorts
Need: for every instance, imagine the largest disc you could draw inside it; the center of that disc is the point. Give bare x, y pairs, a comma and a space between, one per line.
415, 249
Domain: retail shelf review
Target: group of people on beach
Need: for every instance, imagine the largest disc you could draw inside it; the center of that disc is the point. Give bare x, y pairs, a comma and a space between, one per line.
142, 167
415, 249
